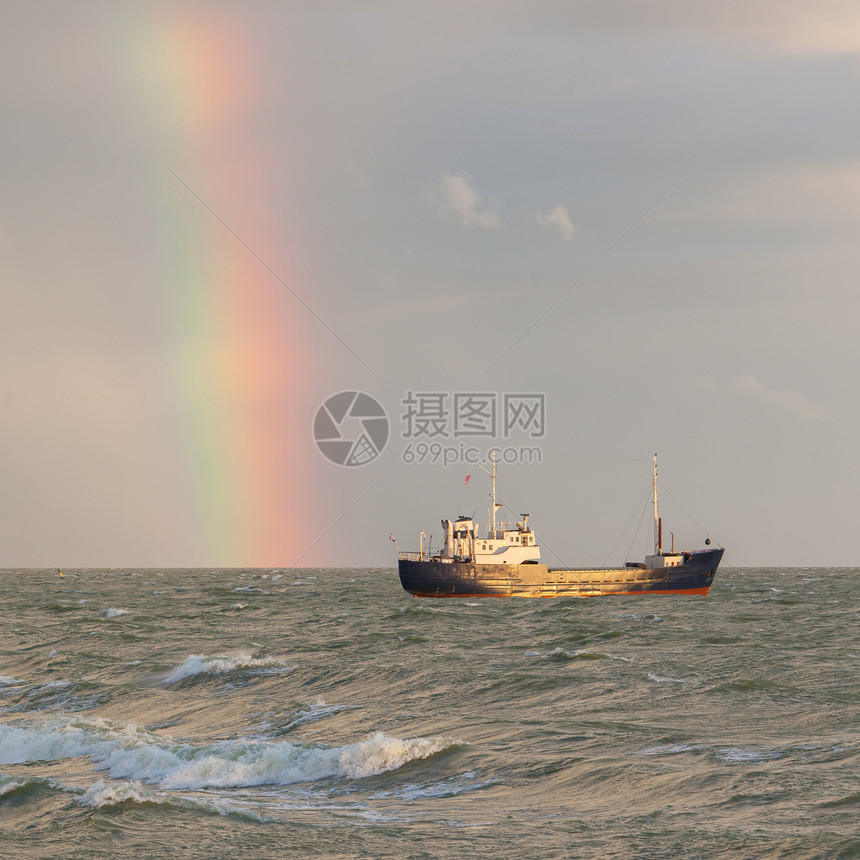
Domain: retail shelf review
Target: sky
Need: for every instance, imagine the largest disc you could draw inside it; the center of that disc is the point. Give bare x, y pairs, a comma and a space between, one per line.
215, 216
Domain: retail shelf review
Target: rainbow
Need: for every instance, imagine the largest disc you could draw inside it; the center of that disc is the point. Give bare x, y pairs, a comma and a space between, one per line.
238, 353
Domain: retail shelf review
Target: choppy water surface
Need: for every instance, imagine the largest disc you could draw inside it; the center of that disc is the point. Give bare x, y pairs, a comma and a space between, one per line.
272, 713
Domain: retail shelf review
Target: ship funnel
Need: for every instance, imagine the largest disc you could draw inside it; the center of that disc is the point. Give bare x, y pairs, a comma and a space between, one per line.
448, 528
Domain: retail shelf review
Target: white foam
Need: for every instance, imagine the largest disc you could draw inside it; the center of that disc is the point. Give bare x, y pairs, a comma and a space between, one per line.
114, 613
667, 749
11, 786
6, 681
199, 664
103, 793
579, 654
129, 753
317, 711
739, 755
658, 679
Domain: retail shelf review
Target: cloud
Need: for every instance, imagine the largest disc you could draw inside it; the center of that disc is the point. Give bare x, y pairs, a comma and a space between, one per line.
560, 218
790, 401
461, 202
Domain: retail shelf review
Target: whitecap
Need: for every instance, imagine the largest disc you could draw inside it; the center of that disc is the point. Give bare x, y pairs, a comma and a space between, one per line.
659, 679
740, 755
666, 749
114, 613
103, 793
317, 711
129, 753
11, 787
199, 664
579, 654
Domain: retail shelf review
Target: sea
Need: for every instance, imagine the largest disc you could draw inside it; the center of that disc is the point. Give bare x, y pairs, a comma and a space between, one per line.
327, 713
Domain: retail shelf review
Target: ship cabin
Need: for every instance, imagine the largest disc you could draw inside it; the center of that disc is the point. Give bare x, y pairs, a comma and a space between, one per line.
505, 543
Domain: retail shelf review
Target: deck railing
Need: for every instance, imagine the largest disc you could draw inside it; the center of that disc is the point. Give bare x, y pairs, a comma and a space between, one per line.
423, 556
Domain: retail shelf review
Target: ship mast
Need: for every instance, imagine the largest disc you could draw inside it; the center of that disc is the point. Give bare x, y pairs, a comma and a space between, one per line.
658, 525
493, 507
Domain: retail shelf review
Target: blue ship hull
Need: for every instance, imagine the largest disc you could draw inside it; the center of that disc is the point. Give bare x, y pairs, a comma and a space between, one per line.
437, 577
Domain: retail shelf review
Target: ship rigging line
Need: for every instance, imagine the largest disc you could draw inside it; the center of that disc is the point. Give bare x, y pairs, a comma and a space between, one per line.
663, 487
638, 526
593, 266
641, 505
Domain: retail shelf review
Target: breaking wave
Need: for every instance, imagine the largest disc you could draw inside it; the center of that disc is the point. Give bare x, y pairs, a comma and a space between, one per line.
103, 793
199, 664
129, 753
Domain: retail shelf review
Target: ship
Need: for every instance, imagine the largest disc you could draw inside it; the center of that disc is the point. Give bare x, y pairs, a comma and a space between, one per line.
507, 563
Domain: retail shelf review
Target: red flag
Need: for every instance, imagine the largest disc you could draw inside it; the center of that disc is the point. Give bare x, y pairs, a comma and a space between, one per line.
467, 478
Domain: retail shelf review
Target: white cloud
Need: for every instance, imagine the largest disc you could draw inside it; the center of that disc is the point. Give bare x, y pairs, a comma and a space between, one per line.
461, 202
790, 401
559, 218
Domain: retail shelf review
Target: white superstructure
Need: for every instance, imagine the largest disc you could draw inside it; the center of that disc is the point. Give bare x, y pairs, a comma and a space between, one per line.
504, 543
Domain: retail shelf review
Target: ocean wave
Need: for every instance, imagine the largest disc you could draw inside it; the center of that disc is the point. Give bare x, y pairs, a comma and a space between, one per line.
659, 679
200, 664
58, 694
668, 749
130, 753
460, 784
319, 710
580, 654
102, 793
21, 787
748, 755
10, 786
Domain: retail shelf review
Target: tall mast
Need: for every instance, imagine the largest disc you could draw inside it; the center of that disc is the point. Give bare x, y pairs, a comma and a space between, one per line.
493, 508
658, 541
